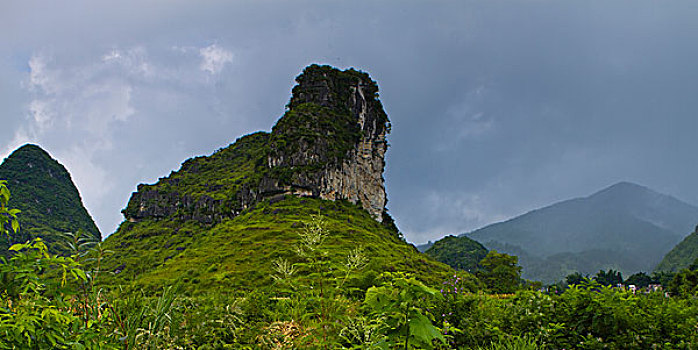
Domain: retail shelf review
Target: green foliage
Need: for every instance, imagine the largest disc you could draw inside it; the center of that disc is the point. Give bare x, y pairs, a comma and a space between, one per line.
33, 312
40, 307
9, 224
513, 343
585, 316
684, 283
461, 253
641, 280
143, 322
239, 252
400, 303
608, 278
500, 272
682, 255
46, 196
575, 279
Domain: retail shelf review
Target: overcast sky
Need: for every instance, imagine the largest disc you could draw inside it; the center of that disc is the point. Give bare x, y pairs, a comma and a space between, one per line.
497, 107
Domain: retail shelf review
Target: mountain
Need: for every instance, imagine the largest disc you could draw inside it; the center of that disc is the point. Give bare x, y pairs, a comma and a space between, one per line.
221, 220
682, 255
423, 247
461, 253
626, 227
43, 190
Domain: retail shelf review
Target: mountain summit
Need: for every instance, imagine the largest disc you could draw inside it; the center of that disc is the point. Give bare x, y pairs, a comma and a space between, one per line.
220, 220
330, 144
626, 227
43, 190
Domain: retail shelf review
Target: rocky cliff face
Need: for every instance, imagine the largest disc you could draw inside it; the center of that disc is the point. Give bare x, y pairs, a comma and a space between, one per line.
335, 133
330, 144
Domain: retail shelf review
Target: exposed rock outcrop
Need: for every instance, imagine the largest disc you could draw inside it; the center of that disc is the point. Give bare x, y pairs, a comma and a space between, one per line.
330, 144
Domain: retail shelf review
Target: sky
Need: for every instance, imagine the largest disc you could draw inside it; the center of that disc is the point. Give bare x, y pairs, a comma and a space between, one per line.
497, 107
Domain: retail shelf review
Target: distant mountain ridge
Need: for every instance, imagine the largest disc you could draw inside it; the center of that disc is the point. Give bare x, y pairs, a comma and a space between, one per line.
626, 226
45, 193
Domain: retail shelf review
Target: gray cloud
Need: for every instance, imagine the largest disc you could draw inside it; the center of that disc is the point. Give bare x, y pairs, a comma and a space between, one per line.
498, 107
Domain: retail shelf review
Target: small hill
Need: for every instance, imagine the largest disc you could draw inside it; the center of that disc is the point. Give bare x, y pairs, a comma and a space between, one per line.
626, 227
221, 220
43, 190
461, 253
682, 255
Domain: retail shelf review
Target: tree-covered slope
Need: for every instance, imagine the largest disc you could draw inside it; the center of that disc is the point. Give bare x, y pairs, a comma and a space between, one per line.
43, 190
681, 256
626, 226
461, 253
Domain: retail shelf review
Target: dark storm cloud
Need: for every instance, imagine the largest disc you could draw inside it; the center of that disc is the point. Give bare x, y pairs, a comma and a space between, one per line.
498, 107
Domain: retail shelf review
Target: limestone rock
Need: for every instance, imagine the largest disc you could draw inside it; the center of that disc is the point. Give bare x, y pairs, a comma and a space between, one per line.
330, 144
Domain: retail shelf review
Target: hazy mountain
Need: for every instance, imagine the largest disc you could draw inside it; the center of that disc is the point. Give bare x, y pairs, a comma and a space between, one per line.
626, 226
43, 190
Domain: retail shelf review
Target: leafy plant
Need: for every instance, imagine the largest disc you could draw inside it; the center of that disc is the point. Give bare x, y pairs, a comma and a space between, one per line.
36, 310
401, 303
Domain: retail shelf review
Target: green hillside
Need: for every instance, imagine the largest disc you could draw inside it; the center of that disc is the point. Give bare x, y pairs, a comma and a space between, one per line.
221, 221
681, 256
461, 253
43, 190
239, 252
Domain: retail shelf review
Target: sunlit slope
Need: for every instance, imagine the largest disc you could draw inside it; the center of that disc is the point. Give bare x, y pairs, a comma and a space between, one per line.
239, 252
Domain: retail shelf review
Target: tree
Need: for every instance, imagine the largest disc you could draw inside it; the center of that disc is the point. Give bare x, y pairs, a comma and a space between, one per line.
608, 278
500, 272
684, 284
640, 279
575, 279
662, 277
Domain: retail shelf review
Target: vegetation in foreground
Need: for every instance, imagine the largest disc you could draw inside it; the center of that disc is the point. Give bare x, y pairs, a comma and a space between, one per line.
52, 302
